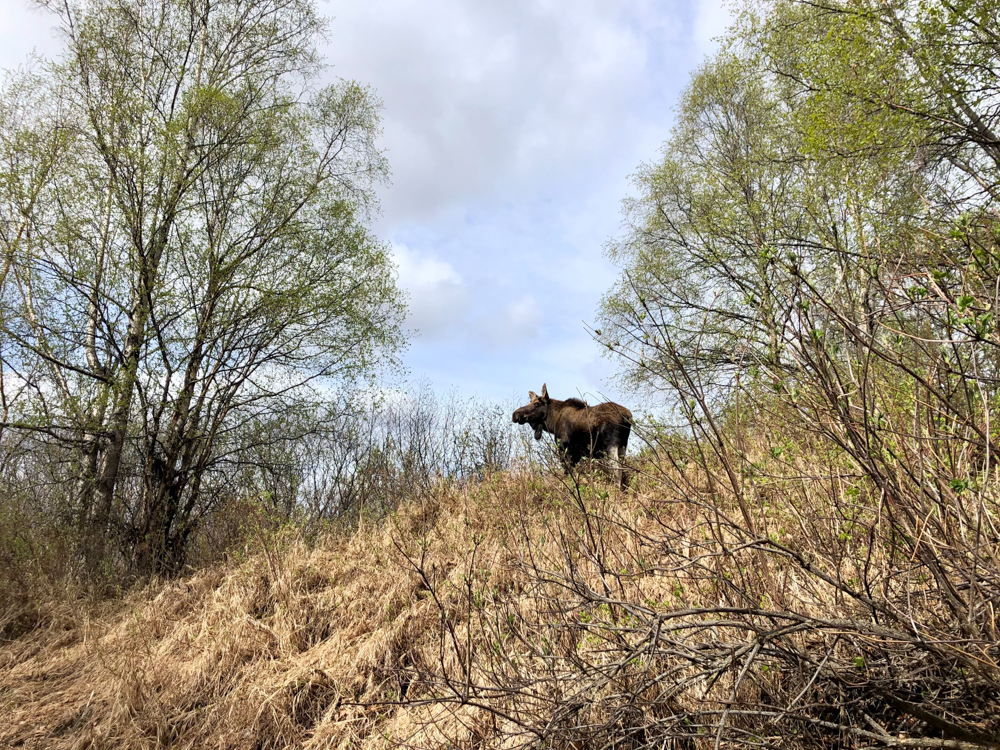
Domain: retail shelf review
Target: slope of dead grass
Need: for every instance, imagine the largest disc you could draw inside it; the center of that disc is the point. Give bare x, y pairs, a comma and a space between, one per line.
523, 610
283, 648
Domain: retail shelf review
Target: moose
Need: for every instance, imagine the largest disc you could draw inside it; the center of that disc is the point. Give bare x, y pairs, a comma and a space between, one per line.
580, 430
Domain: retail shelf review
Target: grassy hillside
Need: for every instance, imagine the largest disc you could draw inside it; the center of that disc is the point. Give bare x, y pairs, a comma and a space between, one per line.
294, 646
527, 610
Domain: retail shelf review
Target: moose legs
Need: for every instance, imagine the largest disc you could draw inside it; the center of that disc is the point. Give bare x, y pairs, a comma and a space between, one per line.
569, 456
612, 461
621, 475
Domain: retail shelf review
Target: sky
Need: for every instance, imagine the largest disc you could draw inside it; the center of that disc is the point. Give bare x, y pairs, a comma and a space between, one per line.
512, 128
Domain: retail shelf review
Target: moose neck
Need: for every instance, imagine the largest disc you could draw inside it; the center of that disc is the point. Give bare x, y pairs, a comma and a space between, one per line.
553, 415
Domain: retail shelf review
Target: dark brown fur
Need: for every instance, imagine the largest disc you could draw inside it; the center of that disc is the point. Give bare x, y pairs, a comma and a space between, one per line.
580, 430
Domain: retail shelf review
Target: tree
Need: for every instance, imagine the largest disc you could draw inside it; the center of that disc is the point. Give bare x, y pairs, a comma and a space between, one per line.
186, 262
824, 216
817, 253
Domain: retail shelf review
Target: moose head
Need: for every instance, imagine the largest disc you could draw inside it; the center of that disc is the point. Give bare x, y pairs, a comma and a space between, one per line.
536, 411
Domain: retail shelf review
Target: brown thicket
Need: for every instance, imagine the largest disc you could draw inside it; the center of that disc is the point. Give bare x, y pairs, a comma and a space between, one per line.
526, 610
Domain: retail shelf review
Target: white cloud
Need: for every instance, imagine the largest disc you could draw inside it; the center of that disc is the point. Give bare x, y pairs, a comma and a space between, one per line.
524, 316
518, 323
438, 296
712, 18
25, 29
480, 96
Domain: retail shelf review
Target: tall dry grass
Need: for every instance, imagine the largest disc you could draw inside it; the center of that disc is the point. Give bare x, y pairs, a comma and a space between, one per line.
535, 610
292, 646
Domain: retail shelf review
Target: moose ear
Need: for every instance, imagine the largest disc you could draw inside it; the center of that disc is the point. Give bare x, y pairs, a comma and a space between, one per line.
545, 391
533, 396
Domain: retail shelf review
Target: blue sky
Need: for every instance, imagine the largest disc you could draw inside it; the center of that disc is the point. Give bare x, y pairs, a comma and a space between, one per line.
511, 128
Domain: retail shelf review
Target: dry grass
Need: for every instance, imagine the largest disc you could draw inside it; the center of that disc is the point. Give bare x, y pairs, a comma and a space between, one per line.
277, 650
523, 610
